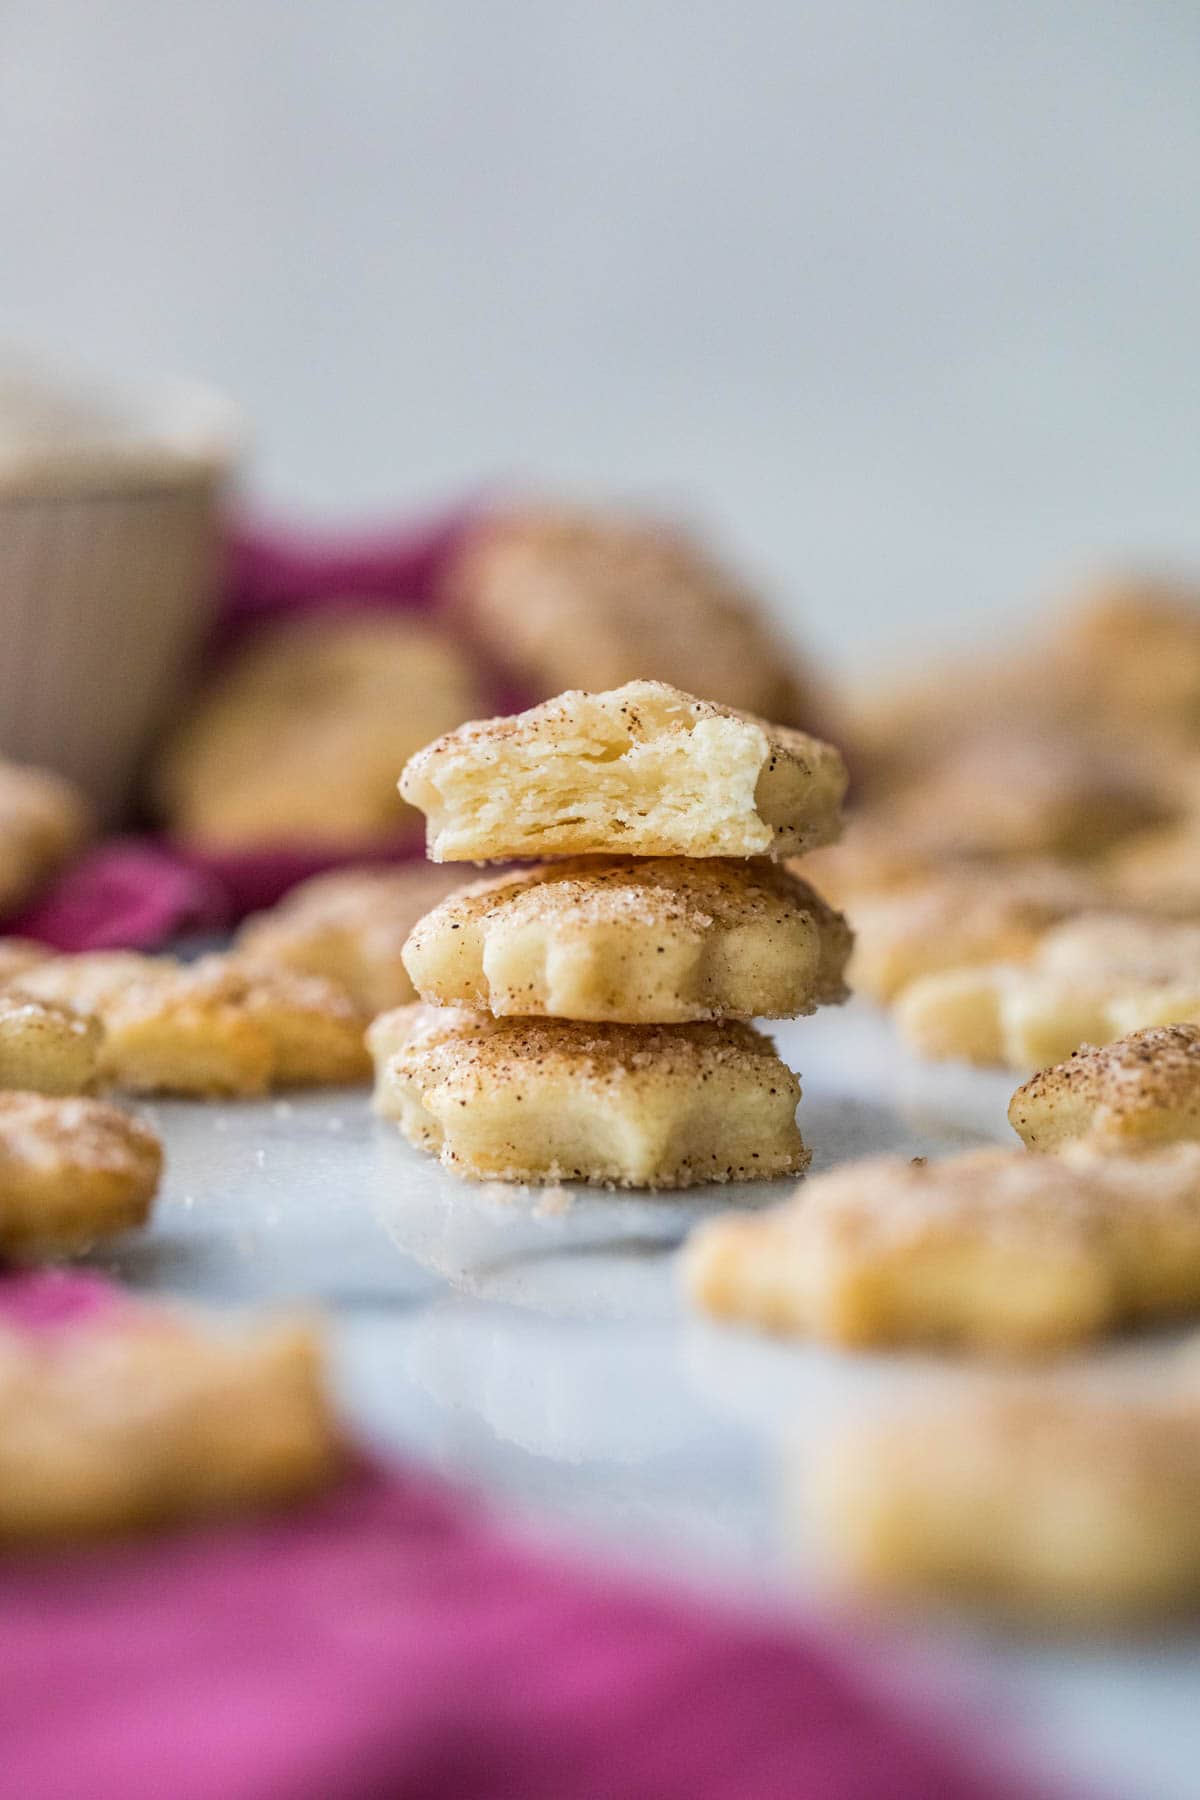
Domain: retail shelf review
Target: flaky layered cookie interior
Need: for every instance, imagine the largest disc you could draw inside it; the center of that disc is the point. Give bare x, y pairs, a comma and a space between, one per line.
644, 770
662, 1106
658, 940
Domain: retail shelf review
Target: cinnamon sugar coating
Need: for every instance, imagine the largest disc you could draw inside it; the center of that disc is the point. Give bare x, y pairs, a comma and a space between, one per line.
638, 941
1141, 1090
661, 1106
72, 1172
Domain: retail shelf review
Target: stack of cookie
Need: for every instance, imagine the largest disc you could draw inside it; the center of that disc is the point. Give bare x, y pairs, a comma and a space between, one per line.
586, 1019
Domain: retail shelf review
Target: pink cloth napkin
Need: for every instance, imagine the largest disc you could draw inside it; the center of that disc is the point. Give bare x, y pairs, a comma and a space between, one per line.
389, 1641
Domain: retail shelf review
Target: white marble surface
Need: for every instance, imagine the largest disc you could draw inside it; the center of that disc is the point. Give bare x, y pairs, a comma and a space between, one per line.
541, 1353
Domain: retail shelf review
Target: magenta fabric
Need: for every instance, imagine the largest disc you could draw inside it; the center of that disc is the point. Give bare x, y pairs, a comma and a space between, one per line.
279, 572
55, 1299
128, 893
389, 1641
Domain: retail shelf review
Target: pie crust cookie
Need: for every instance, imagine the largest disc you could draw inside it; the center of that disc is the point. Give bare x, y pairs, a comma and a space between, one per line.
45, 1047
961, 916
44, 819
223, 1025
1140, 1091
299, 738
557, 595
644, 770
71, 1172
1068, 793
994, 1250
1159, 869
1133, 643
665, 1106
1050, 1506
660, 940
1090, 980
350, 926
146, 1420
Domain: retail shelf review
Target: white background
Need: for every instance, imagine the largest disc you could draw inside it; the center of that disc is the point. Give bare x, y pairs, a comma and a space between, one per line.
902, 296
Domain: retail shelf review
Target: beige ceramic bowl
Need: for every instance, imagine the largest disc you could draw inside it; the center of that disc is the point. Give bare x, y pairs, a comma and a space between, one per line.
109, 538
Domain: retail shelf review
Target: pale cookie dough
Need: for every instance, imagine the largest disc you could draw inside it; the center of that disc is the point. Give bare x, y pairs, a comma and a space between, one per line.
994, 1250
71, 1172
1062, 1508
559, 596
1138, 1092
223, 1025
145, 1420
44, 819
350, 926
298, 739
1089, 981
644, 770
45, 1047
658, 940
664, 1106
960, 916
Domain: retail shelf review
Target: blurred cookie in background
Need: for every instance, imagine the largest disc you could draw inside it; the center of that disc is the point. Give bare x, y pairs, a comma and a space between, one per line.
1063, 793
1049, 1504
1090, 980
963, 914
139, 1418
299, 739
561, 597
1132, 646
221, 1026
1159, 868
351, 926
1116, 660
44, 819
